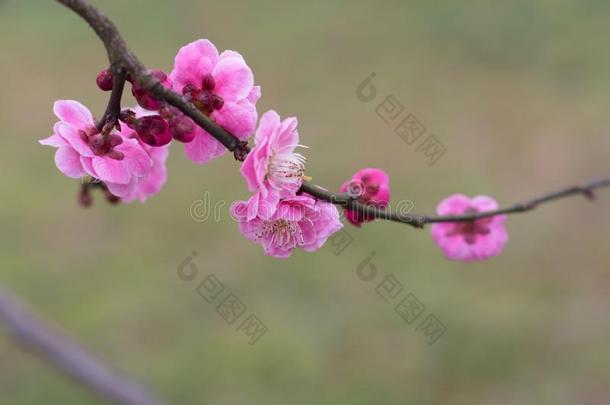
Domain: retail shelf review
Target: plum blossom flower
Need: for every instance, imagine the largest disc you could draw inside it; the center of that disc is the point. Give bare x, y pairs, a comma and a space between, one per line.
470, 241
298, 222
273, 169
82, 150
140, 188
222, 87
370, 186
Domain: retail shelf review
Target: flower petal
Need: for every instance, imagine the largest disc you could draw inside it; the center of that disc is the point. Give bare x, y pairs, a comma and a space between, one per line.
74, 113
203, 148
72, 136
192, 62
111, 170
54, 140
234, 79
68, 162
453, 205
237, 118
268, 122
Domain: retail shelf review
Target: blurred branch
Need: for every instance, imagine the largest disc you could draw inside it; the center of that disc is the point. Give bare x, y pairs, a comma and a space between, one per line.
120, 56
66, 355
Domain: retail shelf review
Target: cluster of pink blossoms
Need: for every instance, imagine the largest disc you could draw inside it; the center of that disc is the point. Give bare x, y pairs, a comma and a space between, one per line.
128, 159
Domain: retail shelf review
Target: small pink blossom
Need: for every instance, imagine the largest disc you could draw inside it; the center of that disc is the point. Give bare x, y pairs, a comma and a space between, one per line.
220, 86
272, 168
82, 150
470, 241
370, 186
298, 222
141, 188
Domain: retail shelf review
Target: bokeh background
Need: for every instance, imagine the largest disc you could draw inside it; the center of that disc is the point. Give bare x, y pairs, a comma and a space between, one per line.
519, 94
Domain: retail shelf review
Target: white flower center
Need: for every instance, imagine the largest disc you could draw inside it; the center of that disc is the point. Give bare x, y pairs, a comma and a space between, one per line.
282, 233
285, 170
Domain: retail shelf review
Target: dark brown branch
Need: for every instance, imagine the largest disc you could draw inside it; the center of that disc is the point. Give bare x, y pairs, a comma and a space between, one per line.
119, 76
66, 355
419, 221
120, 56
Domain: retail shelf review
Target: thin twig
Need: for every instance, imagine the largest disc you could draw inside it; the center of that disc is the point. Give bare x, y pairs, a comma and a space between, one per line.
68, 356
120, 55
111, 115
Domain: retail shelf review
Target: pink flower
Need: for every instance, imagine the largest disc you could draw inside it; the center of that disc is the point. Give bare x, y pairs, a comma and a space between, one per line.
298, 222
272, 168
221, 87
82, 150
470, 241
370, 186
140, 188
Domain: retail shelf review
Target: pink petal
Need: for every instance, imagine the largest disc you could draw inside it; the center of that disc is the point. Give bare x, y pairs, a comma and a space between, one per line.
193, 62
72, 136
230, 54
255, 94
268, 123
237, 118
123, 191
287, 136
68, 162
111, 170
484, 203
234, 79
453, 205
87, 164
74, 113
203, 148
136, 160
54, 140
490, 245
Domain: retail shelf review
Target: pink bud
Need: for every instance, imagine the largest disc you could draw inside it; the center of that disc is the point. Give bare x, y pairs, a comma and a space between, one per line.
146, 99
153, 130
208, 82
182, 129
368, 186
104, 80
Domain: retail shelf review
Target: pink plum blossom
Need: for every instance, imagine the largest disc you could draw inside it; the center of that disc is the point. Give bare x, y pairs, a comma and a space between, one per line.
298, 222
272, 169
470, 241
82, 150
141, 188
370, 186
222, 87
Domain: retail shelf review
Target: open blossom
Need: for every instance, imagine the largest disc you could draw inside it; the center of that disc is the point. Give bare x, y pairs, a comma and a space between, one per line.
474, 240
222, 87
370, 186
140, 188
82, 150
273, 169
298, 222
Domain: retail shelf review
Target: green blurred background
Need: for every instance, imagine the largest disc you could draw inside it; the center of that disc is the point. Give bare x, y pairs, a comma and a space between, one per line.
519, 94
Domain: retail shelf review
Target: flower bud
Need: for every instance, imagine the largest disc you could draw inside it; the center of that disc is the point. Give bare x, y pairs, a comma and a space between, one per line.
182, 129
104, 80
145, 98
153, 130
368, 186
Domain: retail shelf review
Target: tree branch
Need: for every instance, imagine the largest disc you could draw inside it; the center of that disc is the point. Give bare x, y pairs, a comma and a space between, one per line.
67, 356
119, 55
119, 76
